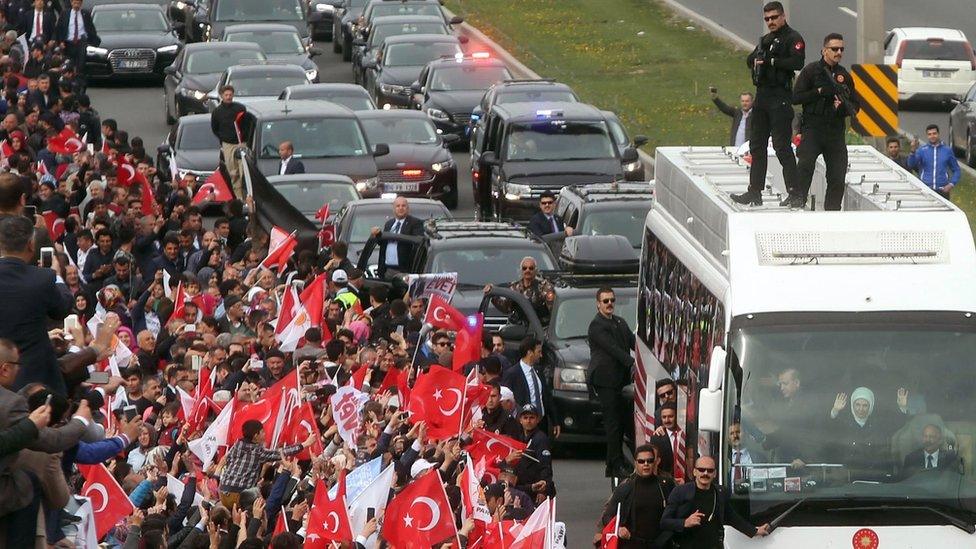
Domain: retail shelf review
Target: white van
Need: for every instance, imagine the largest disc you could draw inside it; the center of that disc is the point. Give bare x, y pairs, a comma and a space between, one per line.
934, 64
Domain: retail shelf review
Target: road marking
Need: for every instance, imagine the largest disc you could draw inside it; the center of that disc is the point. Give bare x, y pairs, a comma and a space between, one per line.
848, 11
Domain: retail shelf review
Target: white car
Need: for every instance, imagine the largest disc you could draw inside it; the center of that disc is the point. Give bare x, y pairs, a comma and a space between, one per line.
934, 64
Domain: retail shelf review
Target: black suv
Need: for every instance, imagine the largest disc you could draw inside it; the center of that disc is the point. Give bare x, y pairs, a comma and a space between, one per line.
607, 208
211, 17
517, 91
529, 148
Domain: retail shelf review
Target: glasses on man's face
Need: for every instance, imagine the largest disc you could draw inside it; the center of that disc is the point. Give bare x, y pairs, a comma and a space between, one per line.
547, 202
645, 461
665, 394
705, 470
528, 267
441, 344
836, 49
609, 300
769, 18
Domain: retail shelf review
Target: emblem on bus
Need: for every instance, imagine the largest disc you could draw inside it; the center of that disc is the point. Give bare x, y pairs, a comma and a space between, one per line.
865, 538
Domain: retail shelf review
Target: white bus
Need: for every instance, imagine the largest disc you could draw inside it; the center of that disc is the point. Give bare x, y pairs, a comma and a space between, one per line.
840, 345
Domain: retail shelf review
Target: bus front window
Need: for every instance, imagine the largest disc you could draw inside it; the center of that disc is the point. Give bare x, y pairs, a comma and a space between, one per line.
843, 415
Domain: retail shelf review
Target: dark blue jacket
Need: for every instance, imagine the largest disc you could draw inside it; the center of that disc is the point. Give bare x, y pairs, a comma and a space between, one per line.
936, 164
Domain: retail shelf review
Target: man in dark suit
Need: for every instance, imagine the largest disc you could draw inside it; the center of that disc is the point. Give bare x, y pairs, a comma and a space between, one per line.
529, 387
697, 511
38, 24
37, 295
741, 116
289, 164
611, 341
931, 455
398, 257
76, 31
545, 221
669, 439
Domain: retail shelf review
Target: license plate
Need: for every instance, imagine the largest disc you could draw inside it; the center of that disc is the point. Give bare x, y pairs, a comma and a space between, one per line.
936, 74
133, 64
401, 187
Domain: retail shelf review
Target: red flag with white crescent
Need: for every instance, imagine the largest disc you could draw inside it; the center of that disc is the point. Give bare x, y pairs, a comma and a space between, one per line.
492, 447
125, 174
280, 250
420, 514
55, 224
328, 519
214, 189
109, 502
438, 399
442, 314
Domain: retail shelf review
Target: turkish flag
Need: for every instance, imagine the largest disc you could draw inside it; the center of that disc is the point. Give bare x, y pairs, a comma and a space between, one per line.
441, 314
608, 539
109, 502
302, 424
146, 194
214, 189
420, 514
287, 310
467, 344
328, 520
491, 447
66, 142
281, 248
55, 225
179, 300
323, 213
499, 534
273, 409
313, 299
281, 524
532, 535
438, 399
125, 174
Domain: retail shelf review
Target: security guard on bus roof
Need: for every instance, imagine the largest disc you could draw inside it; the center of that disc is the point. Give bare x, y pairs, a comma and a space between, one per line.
779, 54
826, 91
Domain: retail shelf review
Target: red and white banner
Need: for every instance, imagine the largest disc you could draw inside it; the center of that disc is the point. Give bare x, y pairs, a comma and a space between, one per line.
347, 403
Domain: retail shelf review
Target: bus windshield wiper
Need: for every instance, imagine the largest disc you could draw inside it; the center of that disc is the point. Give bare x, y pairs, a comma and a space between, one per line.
963, 524
773, 524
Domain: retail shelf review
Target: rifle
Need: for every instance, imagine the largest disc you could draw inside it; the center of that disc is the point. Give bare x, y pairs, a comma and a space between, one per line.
843, 93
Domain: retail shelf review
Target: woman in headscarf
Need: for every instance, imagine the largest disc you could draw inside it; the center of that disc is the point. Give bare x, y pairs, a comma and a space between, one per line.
125, 336
145, 443
861, 442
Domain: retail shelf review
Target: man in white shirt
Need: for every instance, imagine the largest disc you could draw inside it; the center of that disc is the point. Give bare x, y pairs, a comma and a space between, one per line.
289, 164
76, 31
741, 456
38, 24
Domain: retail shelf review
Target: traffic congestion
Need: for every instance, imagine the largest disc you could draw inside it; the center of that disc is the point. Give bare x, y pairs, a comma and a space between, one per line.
362, 279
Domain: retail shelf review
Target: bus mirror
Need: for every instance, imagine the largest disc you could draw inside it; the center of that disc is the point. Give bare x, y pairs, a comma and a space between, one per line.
710, 410
716, 368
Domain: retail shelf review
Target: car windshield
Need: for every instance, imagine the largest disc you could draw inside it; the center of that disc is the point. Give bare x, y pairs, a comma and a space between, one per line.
535, 96
396, 8
272, 42
258, 10
382, 32
558, 140
214, 61
400, 130
489, 264
309, 196
625, 220
937, 50
196, 137
129, 21
260, 85
364, 221
840, 410
314, 137
573, 315
418, 54
467, 77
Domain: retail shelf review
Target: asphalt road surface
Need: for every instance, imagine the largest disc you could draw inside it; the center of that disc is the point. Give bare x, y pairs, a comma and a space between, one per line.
581, 488
814, 20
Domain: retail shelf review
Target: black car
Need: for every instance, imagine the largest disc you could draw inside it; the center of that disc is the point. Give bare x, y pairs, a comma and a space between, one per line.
344, 26
448, 90
396, 8
192, 145
418, 163
399, 64
320, 17
137, 40
257, 82
962, 126
365, 49
281, 43
530, 148
307, 193
351, 96
90, 4
633, 169
195, 73
515, 91
357, 218
328, 138
210, 18
607, 208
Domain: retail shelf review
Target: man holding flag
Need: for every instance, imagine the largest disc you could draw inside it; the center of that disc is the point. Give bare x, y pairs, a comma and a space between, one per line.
636, 506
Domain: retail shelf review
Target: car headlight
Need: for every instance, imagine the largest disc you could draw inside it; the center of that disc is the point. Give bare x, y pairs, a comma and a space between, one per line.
441, 166
168, 49
205, 31
311, 74
569, 379
197, 94
393, 89
515, 191
633, 166
324, 8
97, 52
437, 114
180, 6
366, 183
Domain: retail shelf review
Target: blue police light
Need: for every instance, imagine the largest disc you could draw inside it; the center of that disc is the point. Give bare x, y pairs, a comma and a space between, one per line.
472, 321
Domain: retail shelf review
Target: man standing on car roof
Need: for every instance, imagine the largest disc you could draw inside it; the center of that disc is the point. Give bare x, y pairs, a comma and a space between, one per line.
773, 62
226, 121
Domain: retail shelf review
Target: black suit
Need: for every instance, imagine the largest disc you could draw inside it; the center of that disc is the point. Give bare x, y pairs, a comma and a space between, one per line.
30, 298
664, 452
736, 114
915, 462
294, 166
515, 380
41, 99
611, 341
410, 226
75, 50
681, 504
26, 26
540, 225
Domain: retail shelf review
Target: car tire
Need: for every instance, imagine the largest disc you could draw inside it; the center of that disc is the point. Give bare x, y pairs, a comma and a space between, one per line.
336, 46
450, 200
346, 48
170, 120
970, 154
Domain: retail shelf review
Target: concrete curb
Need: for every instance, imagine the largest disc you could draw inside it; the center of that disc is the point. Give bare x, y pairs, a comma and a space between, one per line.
520, 70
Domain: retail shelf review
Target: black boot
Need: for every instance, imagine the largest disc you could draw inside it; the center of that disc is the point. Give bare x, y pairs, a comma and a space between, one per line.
748, 198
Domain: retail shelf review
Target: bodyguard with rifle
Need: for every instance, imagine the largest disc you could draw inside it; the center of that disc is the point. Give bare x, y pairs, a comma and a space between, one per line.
826, 91
779, 54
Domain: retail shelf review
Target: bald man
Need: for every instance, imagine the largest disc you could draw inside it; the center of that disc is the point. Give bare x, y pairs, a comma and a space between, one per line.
289, 164
397, 256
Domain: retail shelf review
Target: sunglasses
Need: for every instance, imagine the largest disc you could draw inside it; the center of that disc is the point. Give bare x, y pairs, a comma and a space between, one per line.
666, 393
547, 202
645, 461
441, 344
528, 268
609, 300
836, 49
769, 18
705, 470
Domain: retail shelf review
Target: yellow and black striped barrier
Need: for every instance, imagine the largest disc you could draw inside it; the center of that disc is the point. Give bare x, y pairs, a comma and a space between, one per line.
876, 88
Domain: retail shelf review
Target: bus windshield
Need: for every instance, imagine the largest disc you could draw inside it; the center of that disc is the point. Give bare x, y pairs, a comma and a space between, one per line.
842, 417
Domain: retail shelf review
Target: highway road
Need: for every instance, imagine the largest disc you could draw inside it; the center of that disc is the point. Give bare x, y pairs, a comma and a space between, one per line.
581, 487
815, 19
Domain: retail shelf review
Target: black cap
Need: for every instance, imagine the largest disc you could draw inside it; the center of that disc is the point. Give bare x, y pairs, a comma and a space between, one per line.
230, 301
495, 490
528, 409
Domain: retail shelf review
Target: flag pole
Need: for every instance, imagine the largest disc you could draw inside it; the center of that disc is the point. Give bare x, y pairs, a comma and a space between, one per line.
284, 517
616, 523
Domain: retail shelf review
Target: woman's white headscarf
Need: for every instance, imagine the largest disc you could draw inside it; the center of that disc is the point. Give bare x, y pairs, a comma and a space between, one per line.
866, 394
